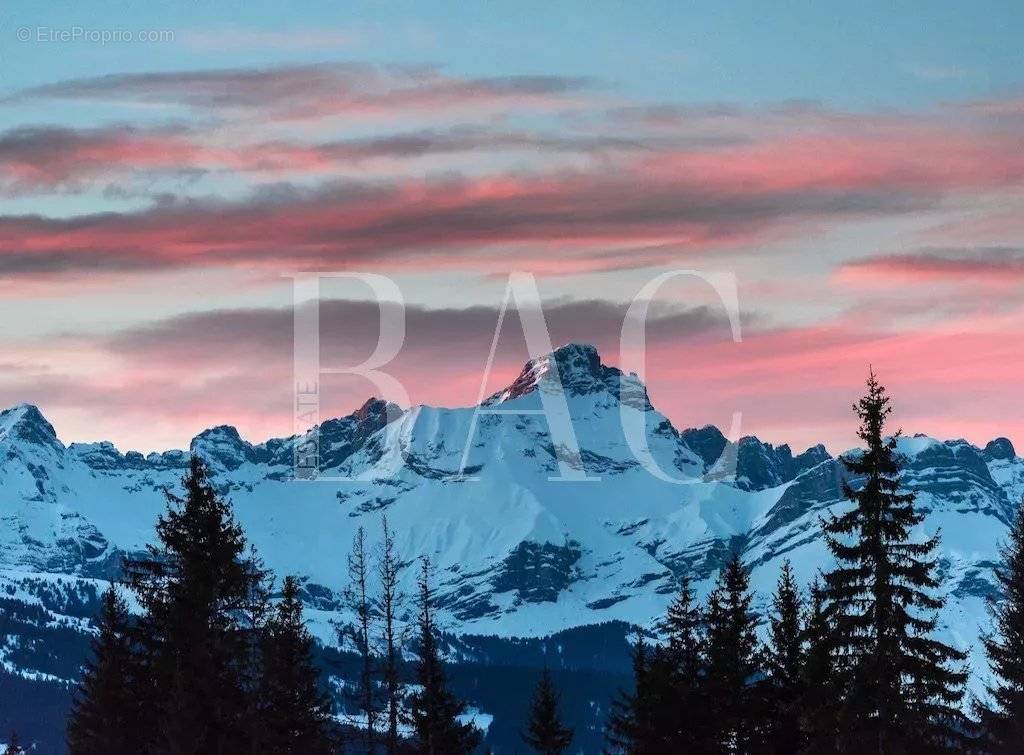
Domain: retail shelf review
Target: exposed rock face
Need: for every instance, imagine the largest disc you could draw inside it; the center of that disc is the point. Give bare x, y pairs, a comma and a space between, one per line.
25, 424
538, 572
708, 443
579, 369
1000, 449
752, 464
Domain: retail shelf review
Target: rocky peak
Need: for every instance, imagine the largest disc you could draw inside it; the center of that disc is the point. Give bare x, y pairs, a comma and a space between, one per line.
341, 437
377, 412
708, 443
810, 458
25, 423
1000, 449
100, 455
579, 368
222, 446
758, 465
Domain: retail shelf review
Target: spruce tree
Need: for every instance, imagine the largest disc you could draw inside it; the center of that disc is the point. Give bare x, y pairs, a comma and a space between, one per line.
195, 587
820, 683
434, 708
732, 660
294, 711
666, 711
255, 619
103, 713
901, 690
680, 711
632, 728
1002, 715
545, 732
784, 663
14, 746
388, 566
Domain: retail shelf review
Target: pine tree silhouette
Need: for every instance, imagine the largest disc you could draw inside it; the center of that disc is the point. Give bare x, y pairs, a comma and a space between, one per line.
632, 727
257, 615
14, 746
680, 710
387, 567
195, 587
819, 679
784, 663
732, 660
294, 710
434, 707
104, 711
545, 732
1002, 715
901, 693
357, 597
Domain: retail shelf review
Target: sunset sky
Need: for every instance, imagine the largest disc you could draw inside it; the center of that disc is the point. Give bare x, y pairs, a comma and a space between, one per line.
859, 169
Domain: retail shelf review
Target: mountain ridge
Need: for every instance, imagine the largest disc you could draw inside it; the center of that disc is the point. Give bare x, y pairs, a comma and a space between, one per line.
579, 367
519, 552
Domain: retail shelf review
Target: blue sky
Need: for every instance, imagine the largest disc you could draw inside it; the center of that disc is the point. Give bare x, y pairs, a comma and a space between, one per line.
858, 167
858, 55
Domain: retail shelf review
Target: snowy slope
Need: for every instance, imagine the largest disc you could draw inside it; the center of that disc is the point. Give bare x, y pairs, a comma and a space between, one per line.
518, 554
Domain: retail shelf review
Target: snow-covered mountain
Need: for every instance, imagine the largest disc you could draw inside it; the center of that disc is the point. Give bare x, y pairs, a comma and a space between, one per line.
517, 553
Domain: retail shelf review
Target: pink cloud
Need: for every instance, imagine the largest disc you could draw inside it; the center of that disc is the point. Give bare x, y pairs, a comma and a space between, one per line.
1000, 267
159, 384
432, 224
626, 199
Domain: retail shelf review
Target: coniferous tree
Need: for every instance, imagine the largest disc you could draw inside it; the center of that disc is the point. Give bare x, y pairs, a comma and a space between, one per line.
195, 588
358, 598
103, 713
14, 746
545, 732
820, 689
388, 566
632, 728
294, 710
681, 709
732, 660
434, 708
255, 618
900, 690
784, 664
1002, 715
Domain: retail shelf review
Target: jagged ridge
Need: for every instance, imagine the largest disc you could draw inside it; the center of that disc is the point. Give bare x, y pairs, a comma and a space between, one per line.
518, 553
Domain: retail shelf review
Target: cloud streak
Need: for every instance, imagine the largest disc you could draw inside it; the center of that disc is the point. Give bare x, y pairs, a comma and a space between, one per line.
41, 159
436, 224
629, 187
300, 92
993, 265
610, 200
789, 382
235, 365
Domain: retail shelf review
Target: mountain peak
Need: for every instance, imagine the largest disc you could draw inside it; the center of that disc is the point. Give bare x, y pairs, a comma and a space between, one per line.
222, 446
579, 368
576, 353
375, 408
26, 423
1000, 449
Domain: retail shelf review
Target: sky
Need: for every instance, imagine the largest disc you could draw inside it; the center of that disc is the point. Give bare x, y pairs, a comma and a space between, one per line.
858, 169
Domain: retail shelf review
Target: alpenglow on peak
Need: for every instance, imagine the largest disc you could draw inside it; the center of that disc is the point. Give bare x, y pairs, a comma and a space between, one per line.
579, 368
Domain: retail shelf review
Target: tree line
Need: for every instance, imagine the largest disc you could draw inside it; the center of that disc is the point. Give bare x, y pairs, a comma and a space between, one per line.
849, 665
211, 661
